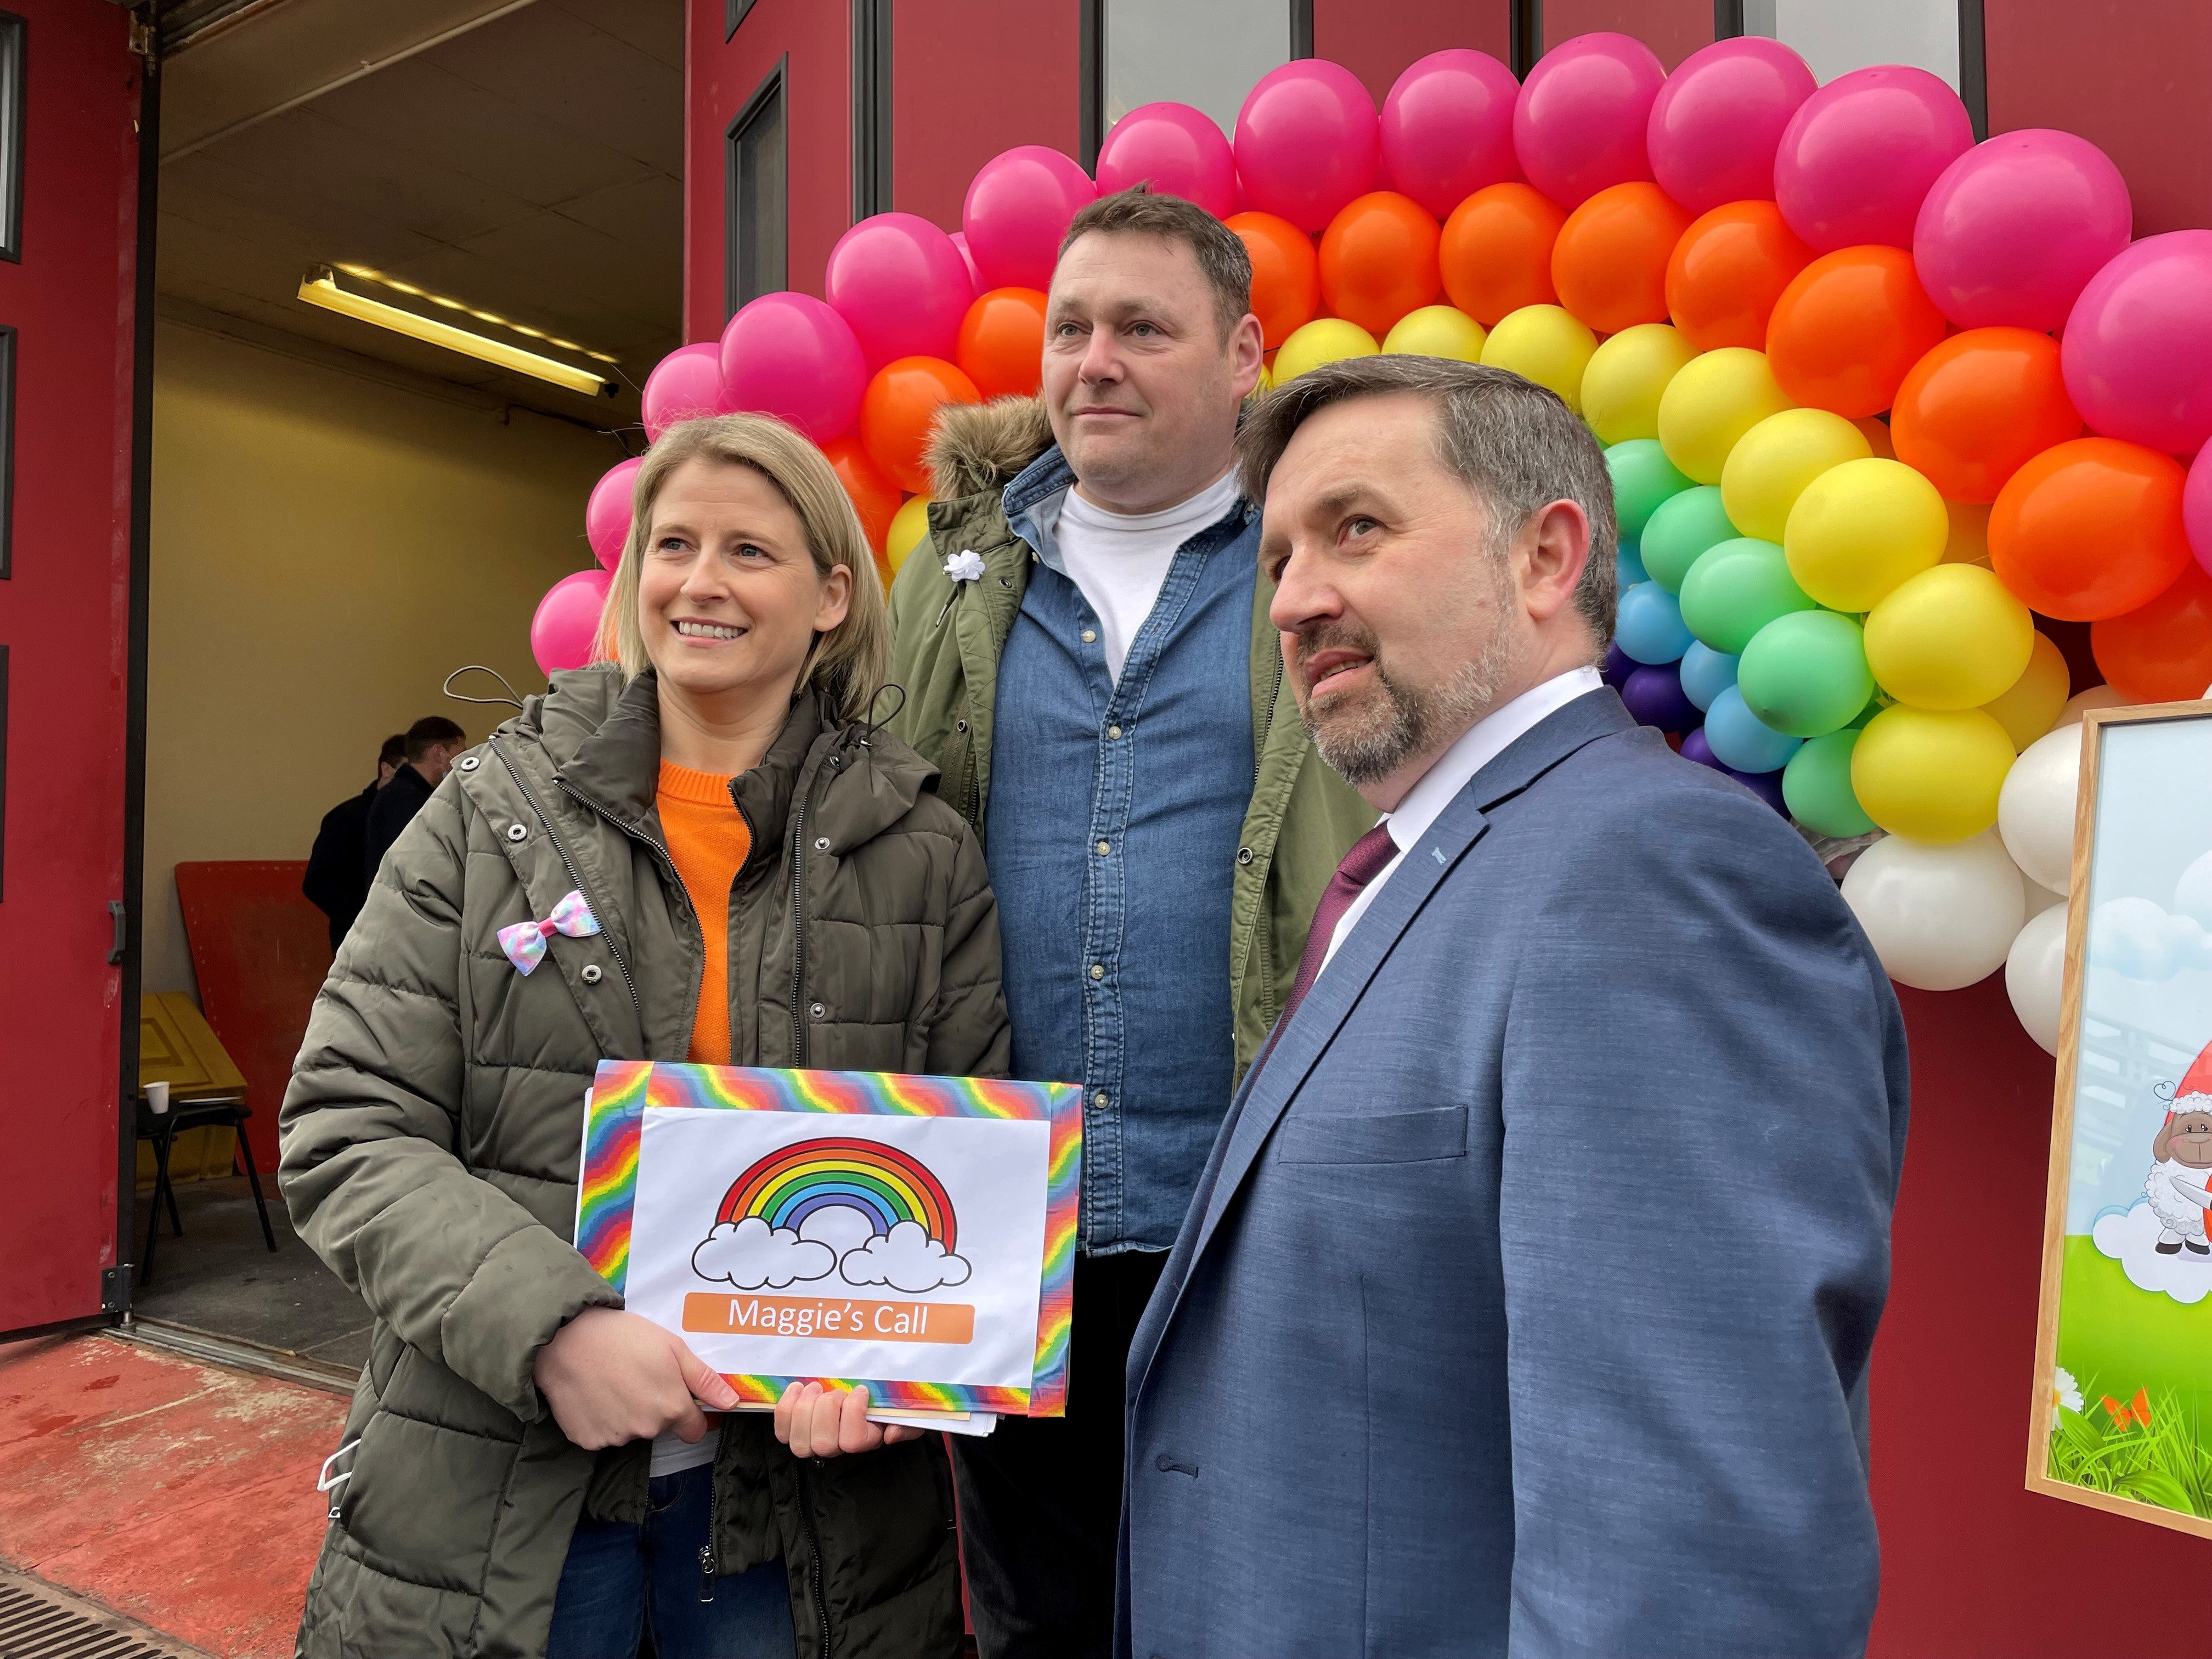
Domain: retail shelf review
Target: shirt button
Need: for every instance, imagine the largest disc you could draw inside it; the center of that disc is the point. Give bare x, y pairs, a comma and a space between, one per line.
1244, 855
1099, 1099
1090, 636
1113, 731
817, 1010
1104, 847
1097, 970
591, 976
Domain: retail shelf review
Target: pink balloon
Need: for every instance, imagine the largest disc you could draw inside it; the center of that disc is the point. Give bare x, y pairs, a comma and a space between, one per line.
1178, 148
975, 276
2137, 349
791, 355
1017, 208
1578, 127
898, 280
2196, 508
1857, 158
567, 624
686, 383
2013, 230
606, 515
1447, 128
1307, 141
1715, 124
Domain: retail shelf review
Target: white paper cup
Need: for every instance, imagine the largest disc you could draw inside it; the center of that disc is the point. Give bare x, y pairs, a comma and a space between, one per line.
157, 1097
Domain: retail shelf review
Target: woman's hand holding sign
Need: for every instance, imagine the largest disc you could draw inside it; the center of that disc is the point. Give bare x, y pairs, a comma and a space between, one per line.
818, 1422
612, 1377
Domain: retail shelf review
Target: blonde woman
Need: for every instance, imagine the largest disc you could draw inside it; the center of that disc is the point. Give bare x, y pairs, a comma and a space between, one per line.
705, 849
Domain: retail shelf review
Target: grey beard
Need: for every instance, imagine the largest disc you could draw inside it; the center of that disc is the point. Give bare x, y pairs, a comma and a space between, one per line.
1365, 746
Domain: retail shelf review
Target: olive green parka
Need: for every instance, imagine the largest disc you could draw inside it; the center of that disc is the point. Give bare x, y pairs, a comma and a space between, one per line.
430, 1144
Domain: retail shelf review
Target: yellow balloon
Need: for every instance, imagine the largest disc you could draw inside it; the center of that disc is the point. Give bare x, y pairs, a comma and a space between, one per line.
1626, 375
1860, 529
1772, 463
1711, 403
1931, 774
909, 526
1544, 344
1437, 332
1969, 540
1876, 433
2037, 698
1951, 637
1324, 340
1267, 379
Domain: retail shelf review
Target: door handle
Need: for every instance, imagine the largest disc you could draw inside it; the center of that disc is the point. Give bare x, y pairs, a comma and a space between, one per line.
121, 917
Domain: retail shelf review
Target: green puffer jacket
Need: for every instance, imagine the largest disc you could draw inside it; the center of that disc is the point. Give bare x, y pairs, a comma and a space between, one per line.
945, 642
430, 1142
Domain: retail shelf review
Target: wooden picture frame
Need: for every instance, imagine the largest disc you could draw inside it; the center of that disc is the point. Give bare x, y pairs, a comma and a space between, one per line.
2105, 1457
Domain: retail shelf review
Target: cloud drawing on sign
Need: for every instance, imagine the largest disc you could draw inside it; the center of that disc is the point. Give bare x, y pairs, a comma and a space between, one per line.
2138, 937
753, 1255
907, 1259
2130, 1236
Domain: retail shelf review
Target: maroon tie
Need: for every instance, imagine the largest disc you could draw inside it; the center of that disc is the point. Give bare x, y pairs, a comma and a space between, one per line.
1369, 855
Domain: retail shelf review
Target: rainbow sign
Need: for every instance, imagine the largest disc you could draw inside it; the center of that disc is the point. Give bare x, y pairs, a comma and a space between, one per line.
883, 1183
880, 1182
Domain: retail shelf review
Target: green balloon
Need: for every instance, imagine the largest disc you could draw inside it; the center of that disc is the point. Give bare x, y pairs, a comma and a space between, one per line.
1683, 527
1816, 785
1643, 481
1735, 589
1806, 673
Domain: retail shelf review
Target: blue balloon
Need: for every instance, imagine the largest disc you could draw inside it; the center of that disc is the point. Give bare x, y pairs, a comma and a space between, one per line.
1650, 625
1706, 673
1742, 741
1629, 564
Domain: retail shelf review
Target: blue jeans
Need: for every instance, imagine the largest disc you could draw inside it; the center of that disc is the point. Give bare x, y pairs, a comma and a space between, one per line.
622, 1579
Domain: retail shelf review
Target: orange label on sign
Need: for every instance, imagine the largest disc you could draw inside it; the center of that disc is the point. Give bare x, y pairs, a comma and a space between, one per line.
721, 1314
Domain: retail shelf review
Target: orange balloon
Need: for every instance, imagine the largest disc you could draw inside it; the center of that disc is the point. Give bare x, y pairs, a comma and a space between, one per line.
2090, 529
1973, 411
1378, 260
1495, 252
1002, 342
2160, 652
874, 497
1285, 274
1849, 327
899, 409
1726, 272
1609, 264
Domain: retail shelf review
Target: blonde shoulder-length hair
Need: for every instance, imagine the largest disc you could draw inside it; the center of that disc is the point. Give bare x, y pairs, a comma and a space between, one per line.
848, 664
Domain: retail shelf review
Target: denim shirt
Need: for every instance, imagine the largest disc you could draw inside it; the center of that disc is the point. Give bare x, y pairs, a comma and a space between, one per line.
1111, 834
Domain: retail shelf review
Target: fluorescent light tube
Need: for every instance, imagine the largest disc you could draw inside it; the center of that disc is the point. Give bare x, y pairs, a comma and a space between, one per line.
320, 288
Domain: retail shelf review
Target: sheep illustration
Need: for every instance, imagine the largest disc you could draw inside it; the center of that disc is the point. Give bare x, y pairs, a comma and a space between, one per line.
2177, 1186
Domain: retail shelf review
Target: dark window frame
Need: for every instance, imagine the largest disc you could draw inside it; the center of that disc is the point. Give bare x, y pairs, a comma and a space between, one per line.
734, 15
1728, 22
774, 90
8, 376
872, 107
14, 50
1090, 69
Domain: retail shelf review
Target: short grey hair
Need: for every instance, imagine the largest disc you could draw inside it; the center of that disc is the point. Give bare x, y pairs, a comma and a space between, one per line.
1518, 447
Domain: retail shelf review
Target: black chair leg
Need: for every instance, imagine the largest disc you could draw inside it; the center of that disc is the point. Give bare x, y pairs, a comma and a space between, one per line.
169, 1188
153, 1210
242, 1153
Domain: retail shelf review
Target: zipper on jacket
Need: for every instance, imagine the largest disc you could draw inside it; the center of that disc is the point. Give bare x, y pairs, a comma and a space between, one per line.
814, 1544
798, 1044
575, 877
709, 1566
1267, 731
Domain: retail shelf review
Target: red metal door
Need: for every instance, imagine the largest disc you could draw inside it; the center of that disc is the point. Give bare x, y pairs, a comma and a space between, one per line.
70, 95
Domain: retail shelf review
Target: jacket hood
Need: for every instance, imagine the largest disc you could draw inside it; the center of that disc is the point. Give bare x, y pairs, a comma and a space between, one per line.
979, 446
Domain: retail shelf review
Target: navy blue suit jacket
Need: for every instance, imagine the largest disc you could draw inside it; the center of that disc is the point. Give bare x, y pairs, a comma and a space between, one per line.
1525, 1303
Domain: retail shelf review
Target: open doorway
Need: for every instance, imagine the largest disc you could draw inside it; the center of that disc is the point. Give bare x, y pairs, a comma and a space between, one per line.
413, 260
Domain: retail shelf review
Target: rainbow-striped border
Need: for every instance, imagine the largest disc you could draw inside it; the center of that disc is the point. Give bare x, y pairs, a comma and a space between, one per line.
607, 1189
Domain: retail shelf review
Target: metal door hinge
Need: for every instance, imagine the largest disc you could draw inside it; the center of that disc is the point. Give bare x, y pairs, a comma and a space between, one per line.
115, 1288
141, 37
121, 917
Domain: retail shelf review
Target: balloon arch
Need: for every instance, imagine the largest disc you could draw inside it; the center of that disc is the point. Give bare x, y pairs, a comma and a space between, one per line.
1874, 399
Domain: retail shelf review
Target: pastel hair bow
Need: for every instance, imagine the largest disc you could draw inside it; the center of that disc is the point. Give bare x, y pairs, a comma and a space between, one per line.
525, 942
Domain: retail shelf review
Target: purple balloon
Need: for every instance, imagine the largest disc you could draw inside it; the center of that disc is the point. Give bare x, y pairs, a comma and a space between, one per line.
898, 280
1448, 128
1307, 141
1857, 158
1619, 666
2013, 230
1018, 207
1654, 694
1578, 127
1695, 748
2137, 349
791, 355
1767, 785
1716, 122
1178, 149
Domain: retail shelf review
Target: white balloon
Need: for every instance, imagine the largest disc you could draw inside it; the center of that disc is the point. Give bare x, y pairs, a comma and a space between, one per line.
1940, 917
2097, 697
2035, 808
2035, 975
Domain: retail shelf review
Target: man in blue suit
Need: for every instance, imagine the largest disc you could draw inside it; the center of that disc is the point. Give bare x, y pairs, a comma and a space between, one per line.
1525, 1303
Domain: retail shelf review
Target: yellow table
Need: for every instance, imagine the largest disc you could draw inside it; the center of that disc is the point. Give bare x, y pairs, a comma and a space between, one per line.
175, 1047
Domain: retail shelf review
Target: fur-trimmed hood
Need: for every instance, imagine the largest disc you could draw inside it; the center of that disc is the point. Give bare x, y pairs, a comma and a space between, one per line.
979, 446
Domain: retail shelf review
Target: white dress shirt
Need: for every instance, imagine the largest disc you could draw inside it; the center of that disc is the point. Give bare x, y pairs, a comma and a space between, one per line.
1479, 744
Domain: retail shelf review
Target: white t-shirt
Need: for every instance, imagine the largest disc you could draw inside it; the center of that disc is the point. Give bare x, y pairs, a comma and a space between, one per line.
1119, 560
671, 1456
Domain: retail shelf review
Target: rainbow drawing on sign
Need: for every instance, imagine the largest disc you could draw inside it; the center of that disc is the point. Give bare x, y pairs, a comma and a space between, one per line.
883, 1183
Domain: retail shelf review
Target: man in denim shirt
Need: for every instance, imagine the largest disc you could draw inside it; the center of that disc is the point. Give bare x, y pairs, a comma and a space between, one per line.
1084, 646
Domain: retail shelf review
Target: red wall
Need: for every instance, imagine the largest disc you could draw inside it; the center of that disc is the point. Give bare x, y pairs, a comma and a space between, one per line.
1376, 41
950, 114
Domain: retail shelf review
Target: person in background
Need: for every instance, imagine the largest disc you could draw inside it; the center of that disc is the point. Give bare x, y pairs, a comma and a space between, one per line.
432, 743
337, 867
1526, 1303
618, 872
1086, 655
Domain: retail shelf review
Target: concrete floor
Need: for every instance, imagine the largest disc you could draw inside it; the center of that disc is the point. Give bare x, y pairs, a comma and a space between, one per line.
220, 1277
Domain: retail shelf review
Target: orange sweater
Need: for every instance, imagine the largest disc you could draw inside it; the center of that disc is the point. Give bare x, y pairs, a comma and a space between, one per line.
708, 838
